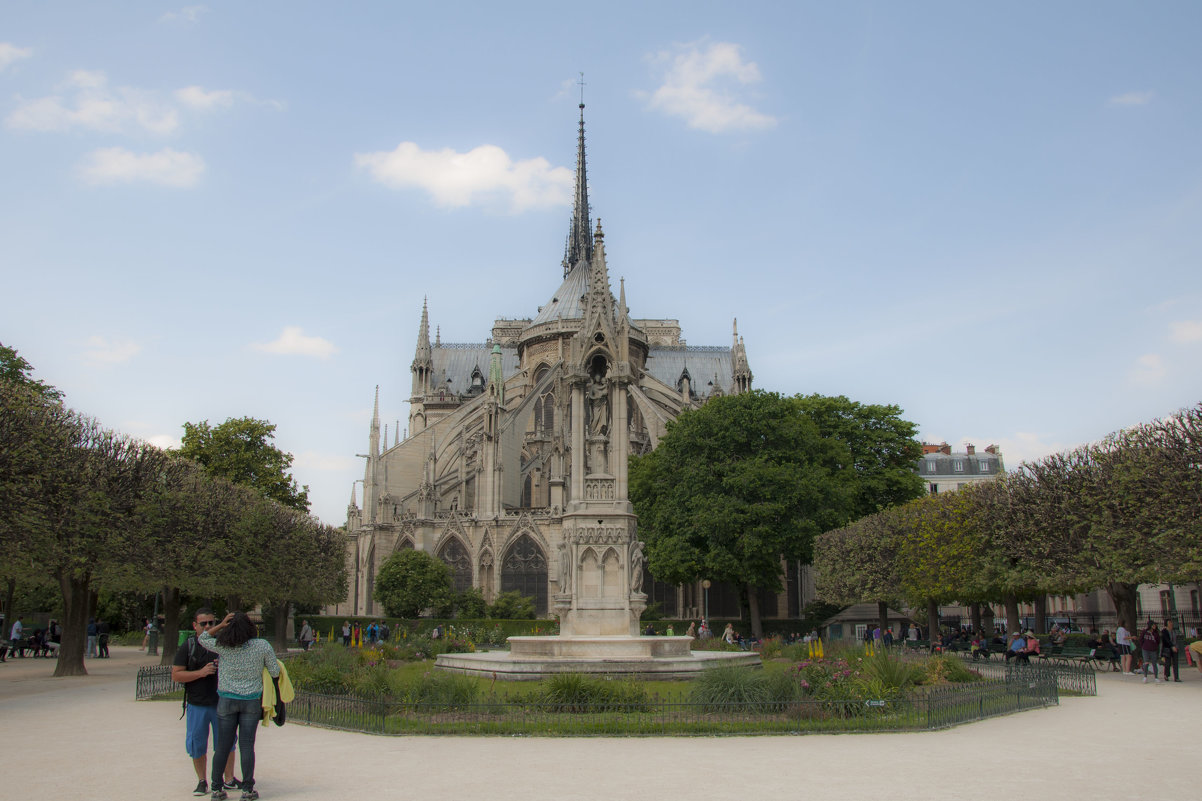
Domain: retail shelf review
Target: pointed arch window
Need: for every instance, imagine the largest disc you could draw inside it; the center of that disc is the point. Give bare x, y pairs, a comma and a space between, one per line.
524, 569
455, 556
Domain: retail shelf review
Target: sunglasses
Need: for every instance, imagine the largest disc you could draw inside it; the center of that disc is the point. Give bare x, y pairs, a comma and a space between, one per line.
206, 623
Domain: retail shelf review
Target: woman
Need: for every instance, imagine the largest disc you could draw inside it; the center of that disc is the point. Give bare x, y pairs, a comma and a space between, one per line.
1149, 646
242, 658
728, 634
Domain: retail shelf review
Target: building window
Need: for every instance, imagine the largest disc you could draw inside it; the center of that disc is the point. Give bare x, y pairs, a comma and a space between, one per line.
934, 489
1193, 602
1165, 603
932, 466
958, 465
983, 465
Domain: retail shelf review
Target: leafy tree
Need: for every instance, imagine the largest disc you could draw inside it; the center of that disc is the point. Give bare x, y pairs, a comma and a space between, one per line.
512, 605
859, 563
241, 450
16, 371
409, 582
882, 444
736, 486
469, 604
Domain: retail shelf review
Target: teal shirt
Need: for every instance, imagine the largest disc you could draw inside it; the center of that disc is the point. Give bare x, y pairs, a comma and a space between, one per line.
240, 669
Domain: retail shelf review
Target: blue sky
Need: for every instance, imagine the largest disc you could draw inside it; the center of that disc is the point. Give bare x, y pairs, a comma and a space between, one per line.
989, 215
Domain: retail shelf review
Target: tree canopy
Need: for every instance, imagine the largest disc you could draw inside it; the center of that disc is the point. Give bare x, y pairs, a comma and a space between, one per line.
409, 582
241, 450
736, 486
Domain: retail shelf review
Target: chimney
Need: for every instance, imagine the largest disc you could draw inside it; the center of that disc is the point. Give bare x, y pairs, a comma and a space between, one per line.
945, 449
971, 448
992, 449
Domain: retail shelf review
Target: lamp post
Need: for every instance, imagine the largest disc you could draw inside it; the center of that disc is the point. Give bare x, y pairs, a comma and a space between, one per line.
705, 585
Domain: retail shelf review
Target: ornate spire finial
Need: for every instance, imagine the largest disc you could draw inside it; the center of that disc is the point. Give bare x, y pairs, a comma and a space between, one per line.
580, 243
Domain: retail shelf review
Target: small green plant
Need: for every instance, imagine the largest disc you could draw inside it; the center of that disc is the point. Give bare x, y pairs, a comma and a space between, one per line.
945, 668
576, 692
720, 686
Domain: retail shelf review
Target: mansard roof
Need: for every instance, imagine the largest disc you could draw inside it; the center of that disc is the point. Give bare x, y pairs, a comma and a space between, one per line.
454, 363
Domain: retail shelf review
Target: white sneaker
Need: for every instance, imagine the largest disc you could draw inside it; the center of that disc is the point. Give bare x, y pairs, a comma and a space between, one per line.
1145, 679
1160, 681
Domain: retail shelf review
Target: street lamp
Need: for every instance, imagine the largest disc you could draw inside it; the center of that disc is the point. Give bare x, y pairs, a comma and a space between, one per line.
705, 585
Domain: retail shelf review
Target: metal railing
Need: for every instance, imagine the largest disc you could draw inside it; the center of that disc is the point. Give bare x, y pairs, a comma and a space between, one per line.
1075, 677
932, 708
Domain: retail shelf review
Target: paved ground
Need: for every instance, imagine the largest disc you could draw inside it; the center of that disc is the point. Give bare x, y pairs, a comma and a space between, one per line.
87, 737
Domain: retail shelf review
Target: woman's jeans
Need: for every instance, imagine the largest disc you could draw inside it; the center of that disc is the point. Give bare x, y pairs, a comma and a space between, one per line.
235, 715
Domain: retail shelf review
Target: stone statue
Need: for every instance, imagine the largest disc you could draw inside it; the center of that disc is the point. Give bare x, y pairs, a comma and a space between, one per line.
636, 567
565, 568
598, 406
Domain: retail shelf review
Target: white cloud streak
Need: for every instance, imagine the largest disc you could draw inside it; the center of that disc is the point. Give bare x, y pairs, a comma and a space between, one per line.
185, 14
167, 167
481, 175
702, 85
100, 350
1186, 331
198, 97
1148, 369
10, 53
292, 341
1131, 99
87, 102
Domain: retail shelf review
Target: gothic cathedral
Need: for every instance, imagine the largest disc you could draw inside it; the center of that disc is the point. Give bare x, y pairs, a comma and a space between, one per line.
513, 468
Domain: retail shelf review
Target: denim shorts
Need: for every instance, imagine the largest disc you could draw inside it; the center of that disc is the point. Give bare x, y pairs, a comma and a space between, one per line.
200, 721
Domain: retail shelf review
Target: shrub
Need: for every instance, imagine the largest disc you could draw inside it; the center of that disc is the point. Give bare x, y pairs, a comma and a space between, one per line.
947, 668
441, 689
889, 675
771, 648
719, 686
576, 692
512, 605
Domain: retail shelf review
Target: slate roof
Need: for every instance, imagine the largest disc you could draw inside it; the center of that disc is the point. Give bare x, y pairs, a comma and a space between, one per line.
566, 303
454, 363
666, 364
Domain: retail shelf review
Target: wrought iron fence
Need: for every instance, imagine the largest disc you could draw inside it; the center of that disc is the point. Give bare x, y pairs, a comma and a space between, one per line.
933, 708
1075, 677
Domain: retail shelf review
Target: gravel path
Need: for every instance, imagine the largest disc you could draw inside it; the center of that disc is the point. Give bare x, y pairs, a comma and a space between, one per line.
87, 737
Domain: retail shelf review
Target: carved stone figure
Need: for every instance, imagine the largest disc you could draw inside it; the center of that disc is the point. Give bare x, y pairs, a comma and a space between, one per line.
636, 567
598, 406
565, 568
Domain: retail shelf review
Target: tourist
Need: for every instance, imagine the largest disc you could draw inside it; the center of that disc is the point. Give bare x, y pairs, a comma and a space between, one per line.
704, 632
1122, 639
385, 632
1016, 646
346, 633
93, 632
373, 632
102, 639
17, 633
145, 633
887, 637
691, 632
306, 636
240, 693
671, 632
1168, 650
1149, 647
728, 634
196, 668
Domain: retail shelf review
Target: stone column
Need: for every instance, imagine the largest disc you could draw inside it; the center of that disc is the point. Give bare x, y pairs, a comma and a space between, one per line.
619, 439
578, 425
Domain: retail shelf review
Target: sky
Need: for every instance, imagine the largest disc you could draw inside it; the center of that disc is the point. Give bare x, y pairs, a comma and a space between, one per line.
987, 214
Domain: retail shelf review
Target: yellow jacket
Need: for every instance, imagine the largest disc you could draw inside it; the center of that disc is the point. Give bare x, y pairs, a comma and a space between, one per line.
286, 692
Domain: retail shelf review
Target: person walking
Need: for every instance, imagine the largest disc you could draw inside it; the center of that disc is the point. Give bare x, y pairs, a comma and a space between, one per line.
1122, 641
196, 668
243, 658
1149, 646
1168, 650
93, 632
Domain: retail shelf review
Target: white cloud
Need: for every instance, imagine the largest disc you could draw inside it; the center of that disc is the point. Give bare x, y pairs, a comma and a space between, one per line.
185, 14
292, 340
167, 442
1186, 331
10, 52
167, 167
480, 175
204, 99
1026, 446
1148, 369
1131, 99
104, 351
90, 103
701, 85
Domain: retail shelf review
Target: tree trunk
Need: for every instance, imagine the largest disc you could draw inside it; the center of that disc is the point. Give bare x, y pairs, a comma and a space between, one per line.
10, 592
282, 635
233, 603
76, 602
974, 611
1041, 614
933, 634
987, 619
170, 643
1123, 595
882, 614
1012, 622
753, 611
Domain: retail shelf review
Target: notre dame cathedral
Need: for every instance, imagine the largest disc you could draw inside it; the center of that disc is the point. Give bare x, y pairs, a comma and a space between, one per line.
513, 442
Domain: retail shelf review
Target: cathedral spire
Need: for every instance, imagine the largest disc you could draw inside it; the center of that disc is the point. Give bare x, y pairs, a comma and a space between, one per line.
580, 241
423, 360
375, 425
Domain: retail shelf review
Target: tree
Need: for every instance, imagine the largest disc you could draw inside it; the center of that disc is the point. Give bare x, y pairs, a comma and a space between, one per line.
14, 370
882, 444
736, 486
409, 582
240, 450
512, 605
859, 563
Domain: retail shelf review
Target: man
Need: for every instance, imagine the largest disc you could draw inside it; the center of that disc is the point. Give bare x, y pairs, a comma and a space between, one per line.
1122, 640
196, 668
93, 632
17, 633
1018, 644
306, 636
1168, 650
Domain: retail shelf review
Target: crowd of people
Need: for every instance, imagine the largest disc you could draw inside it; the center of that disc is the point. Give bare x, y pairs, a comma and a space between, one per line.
36, 642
